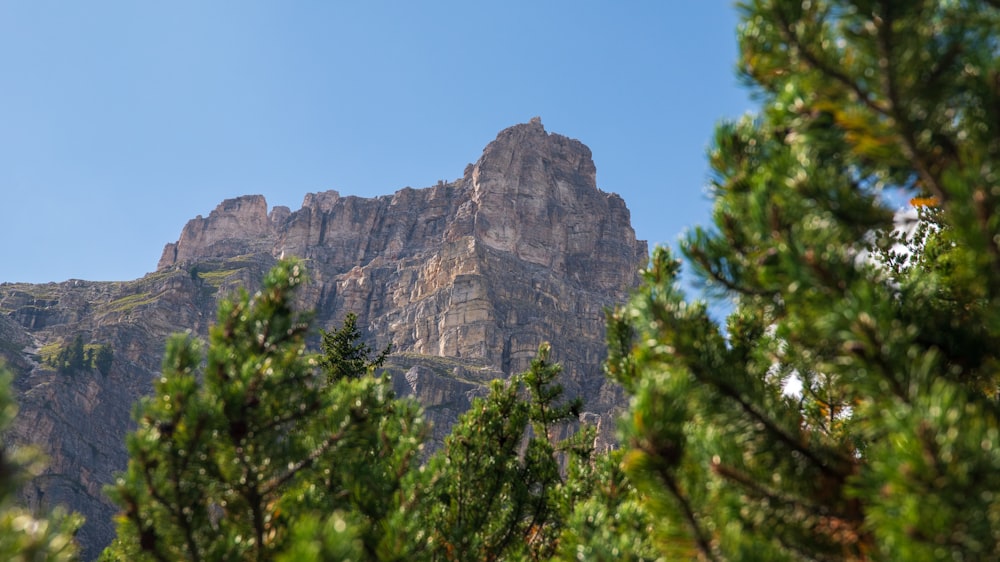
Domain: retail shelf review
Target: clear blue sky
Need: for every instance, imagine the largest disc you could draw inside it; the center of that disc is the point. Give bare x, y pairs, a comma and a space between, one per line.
121, 120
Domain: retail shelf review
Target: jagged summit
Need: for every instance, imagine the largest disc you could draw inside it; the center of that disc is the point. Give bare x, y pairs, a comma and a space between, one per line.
460, 269
465, 279
528, 153
533, 194
533, 188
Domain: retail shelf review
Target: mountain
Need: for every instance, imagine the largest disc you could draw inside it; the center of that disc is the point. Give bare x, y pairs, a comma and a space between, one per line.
465, 279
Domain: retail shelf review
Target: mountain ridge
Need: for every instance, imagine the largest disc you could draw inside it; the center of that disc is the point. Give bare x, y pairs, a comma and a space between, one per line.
465, 279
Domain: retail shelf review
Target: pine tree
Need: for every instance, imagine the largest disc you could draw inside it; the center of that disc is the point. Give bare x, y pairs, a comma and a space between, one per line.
495, 492
73, 358
605, 518
255, 457
228, 462
847, 409
346, 355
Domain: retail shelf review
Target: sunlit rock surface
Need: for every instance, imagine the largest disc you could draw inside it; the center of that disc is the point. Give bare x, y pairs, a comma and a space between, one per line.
465, 279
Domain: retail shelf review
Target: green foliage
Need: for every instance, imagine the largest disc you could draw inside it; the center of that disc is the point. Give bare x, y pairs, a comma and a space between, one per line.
319, 540
257, 457
129, 302
48, 352
25, 536
103, 359
848, 408
495, 491
481, 497
346, 355
215, 278
77, 356
226, 462
607, 521
73, 357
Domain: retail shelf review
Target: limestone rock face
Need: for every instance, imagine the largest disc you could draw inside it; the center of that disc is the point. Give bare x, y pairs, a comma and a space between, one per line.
465, 279
524, 248
235, 227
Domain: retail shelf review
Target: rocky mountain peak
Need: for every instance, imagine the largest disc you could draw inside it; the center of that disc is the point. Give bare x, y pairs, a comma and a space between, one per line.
532, 194
229, 230
536, 196
465, 278
526, 157
428, 269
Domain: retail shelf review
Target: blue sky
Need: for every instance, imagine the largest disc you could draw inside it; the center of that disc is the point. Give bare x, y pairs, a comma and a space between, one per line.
121, 120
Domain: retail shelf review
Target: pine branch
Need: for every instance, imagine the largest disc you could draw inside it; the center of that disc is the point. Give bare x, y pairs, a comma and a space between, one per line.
305, 413
701, 536
702, 260
176, 477
884, 42
172, 507
777, 431
276, 483
813, 60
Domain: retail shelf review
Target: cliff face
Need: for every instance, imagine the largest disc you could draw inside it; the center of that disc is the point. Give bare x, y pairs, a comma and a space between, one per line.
465, 279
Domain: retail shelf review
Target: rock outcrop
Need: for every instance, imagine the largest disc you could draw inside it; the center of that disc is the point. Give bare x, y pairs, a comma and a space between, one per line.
465, 278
